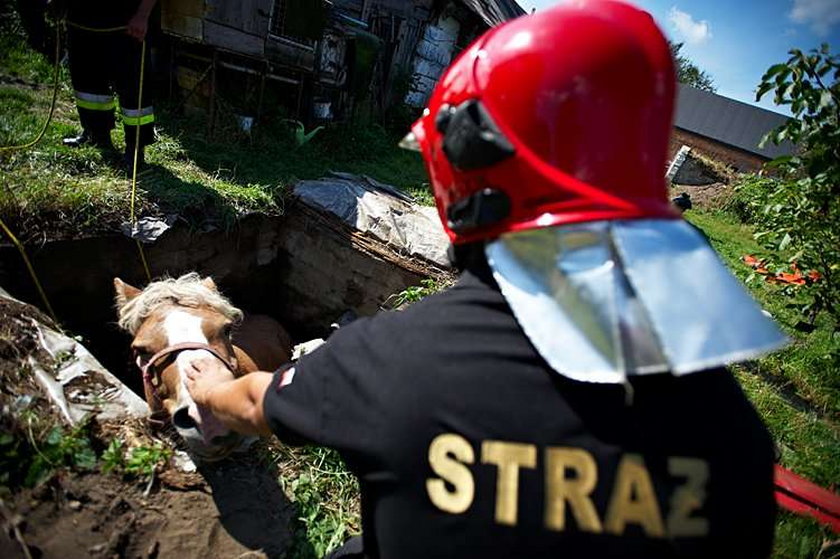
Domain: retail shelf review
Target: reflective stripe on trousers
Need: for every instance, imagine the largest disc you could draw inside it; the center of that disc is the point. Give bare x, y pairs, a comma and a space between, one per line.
94, 101
138, 117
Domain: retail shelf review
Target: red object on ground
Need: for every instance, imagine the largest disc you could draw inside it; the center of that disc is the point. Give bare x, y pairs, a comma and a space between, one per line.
793, 278
799, 496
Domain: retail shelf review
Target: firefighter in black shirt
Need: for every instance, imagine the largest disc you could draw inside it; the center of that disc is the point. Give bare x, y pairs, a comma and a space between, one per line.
105, 43
568, 396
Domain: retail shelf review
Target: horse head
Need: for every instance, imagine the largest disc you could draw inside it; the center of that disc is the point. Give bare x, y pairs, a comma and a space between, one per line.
175, 322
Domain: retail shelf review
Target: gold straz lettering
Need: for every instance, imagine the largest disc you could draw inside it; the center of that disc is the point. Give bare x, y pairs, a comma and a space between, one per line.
562, 489
447, 455
508, 457
633, 500
570, 477
688, 497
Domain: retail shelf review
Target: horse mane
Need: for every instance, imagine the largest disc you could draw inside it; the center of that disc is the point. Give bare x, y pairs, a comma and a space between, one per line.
185, 291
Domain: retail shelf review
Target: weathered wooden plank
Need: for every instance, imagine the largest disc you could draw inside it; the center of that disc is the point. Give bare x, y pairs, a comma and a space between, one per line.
288, 53
250, 16
184, 26
233, 39
194, 8
183, 17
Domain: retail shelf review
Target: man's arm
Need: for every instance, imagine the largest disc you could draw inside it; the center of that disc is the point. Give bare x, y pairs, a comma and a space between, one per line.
138, 25
238, 403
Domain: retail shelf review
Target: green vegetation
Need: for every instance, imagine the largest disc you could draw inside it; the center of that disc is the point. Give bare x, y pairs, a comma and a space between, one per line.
139, 461
791, 221
688, 72
32, 455
51, 190
413, 293
799, 212
326, 494
34, 447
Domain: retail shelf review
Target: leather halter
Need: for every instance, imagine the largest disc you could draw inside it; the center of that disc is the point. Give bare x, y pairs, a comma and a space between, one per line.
151, 375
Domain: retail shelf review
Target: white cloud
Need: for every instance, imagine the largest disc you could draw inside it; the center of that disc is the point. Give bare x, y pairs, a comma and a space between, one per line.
692, 31
821, 15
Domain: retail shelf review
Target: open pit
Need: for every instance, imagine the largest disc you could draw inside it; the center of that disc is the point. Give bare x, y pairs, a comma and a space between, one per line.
306, 268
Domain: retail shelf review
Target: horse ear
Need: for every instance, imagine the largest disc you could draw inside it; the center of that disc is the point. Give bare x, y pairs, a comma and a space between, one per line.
209, 283
125, 292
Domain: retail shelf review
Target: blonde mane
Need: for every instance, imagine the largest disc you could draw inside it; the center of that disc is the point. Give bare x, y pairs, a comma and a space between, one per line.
185, 291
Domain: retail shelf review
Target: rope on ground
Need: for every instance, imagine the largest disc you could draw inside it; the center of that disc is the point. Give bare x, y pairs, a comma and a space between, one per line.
43, 131
52, 104
96, 29
6, 230
29, 267
132, 218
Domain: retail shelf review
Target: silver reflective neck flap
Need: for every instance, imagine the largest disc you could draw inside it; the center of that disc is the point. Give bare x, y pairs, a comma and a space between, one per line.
607, 299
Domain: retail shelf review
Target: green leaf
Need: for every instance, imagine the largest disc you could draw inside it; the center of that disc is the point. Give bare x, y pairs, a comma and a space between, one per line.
54, 437
762, 89
773, 70
85, 459
826, 99
785, 242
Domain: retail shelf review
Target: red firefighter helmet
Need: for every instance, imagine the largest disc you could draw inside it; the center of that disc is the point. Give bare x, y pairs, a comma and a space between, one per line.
558, 117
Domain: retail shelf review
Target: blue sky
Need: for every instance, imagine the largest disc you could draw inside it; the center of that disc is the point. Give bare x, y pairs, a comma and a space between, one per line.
736, 41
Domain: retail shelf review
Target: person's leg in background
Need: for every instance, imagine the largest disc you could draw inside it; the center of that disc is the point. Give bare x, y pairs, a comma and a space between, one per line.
135, 105
352, 549
94, 99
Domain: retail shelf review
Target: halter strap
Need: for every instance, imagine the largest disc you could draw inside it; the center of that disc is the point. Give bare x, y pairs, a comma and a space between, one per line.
152, 379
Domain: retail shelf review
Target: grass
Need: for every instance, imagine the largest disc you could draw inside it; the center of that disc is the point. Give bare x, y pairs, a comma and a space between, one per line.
52, 191
326, 496
794, 390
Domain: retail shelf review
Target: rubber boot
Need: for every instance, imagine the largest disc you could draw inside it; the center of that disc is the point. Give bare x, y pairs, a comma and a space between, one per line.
128, 158
101, 141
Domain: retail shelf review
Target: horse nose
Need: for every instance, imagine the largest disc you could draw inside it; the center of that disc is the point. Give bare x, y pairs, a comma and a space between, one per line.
183, 420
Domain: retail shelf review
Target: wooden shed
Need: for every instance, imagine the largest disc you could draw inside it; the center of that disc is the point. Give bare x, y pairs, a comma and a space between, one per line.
329, 55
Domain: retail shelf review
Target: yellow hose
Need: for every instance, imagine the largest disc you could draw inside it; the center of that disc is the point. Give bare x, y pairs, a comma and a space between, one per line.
43, 131
29, 267
133, 218
52, 104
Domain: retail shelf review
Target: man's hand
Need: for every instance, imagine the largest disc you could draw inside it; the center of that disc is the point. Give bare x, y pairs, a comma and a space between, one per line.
235, 402
203, 376
138, 25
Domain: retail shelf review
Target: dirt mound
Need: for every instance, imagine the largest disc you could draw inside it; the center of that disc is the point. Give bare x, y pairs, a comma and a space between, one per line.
711, 196
232, 509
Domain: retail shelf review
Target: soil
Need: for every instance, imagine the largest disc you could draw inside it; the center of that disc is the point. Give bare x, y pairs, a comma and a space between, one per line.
18, 334
706, 197
233, 508
229, 510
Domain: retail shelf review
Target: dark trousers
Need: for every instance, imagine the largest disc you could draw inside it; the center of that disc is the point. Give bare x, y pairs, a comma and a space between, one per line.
352, 549
102, 64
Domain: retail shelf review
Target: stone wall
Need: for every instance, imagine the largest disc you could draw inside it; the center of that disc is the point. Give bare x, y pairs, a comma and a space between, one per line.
741, 160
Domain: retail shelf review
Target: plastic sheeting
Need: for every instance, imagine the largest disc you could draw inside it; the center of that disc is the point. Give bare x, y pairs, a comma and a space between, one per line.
381, 210
78, 384
148, 229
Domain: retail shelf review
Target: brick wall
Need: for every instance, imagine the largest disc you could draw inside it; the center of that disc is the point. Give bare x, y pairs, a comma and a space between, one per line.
742, 160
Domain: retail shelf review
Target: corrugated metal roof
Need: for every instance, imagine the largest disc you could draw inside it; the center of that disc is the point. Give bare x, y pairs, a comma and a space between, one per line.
729, 121
494, 12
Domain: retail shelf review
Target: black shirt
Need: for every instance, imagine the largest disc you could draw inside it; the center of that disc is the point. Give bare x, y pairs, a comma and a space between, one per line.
467, 444
101, 14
